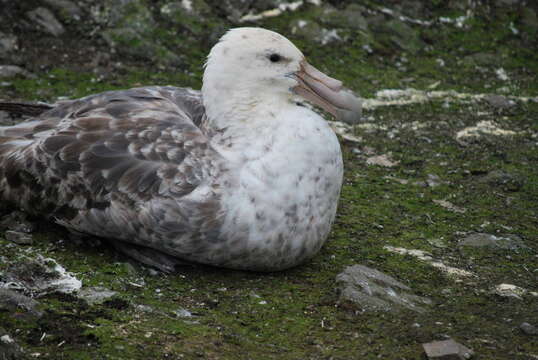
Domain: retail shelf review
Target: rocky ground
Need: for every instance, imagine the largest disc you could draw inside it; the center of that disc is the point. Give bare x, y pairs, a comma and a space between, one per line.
436, 236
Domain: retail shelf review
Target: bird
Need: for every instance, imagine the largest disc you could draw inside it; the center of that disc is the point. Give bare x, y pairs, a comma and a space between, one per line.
239, 175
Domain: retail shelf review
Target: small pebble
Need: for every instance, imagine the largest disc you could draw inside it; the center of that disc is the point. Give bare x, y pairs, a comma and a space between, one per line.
182, 313
18, 237
446, 350
528, 329
6, 339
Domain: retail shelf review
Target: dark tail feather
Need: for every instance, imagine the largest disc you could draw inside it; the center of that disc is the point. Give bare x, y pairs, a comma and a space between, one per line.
24, 108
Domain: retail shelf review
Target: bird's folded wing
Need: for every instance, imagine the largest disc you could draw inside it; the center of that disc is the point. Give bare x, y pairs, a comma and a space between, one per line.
120, 164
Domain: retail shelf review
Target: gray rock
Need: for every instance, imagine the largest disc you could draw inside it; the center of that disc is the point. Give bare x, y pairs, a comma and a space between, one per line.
381, 160
17, 221
402, 35
134, 14
501, 241
132, 31
433, 180
504, 180
375, 291
235, 9
129, 41
528, 329
446, 350
46, 21
510, 291
9, 349
350, 18
38, 276
482, 59
313, 32
182, 313
67, 9
192, 17
8, 44
499, 101
18, 237
10, 71
13, 301
144, 308
96, 295
309, 30
153, 272
440, 243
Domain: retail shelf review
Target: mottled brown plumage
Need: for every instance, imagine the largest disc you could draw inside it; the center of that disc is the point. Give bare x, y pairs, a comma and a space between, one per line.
96, 164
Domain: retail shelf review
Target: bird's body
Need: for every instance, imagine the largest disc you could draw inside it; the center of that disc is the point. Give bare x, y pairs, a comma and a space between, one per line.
237, 176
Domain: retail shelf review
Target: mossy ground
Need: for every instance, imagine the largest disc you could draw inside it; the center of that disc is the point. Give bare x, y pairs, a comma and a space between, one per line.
295, 314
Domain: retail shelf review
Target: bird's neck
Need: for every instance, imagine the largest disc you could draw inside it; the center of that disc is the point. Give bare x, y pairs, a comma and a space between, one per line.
241, 103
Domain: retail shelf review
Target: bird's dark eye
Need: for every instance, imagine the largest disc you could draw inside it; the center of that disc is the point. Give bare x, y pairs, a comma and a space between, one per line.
274, 57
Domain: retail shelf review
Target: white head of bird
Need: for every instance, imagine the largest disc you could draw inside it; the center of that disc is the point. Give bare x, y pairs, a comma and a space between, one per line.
253, 72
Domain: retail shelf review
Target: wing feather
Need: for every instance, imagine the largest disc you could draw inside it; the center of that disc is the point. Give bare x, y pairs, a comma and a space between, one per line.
122, 164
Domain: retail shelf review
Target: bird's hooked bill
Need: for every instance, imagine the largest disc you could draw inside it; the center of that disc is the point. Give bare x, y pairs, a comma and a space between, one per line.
327, 93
